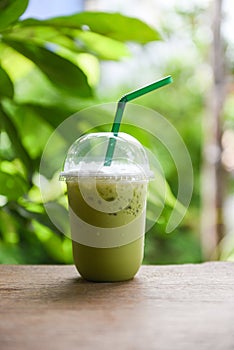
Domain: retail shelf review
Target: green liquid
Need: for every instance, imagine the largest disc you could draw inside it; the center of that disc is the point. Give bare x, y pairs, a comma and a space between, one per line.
116, 263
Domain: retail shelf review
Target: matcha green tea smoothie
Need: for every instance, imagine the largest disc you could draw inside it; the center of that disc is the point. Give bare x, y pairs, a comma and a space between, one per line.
112, 249
107, 205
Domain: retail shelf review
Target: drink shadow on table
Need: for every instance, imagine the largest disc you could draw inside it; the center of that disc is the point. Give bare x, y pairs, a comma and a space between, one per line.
70, 292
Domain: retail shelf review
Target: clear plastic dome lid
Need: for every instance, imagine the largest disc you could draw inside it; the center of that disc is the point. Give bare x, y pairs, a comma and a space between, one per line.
87, 158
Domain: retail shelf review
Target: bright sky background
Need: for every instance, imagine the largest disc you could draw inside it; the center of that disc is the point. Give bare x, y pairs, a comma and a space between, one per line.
45, 8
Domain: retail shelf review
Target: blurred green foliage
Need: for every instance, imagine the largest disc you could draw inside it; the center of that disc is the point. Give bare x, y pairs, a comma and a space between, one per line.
49, 70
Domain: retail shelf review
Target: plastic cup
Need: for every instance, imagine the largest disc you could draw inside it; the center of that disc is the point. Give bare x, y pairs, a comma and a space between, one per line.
107, 205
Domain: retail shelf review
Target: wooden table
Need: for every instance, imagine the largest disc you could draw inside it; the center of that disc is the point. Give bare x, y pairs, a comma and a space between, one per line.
164, 307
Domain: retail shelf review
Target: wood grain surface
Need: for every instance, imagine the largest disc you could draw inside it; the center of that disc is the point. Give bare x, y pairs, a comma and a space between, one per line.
164, 307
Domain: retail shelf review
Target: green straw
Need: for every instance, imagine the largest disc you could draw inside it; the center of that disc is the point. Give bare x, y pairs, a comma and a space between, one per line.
120, 109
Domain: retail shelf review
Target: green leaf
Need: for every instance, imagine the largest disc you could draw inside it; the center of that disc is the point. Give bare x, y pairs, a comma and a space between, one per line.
60, 71
10, 11
42, 218
11, 254
31, 129
102, 46
14, 185
44, 34
19, 148
112, 25
72, 39
51, 114
6, 86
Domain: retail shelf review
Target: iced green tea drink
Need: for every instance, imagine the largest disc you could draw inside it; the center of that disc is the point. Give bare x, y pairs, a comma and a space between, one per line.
107, 206
114, 244
107, 176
